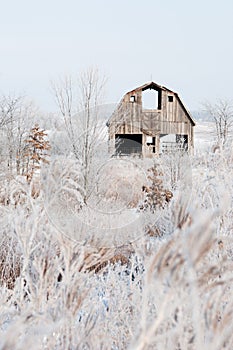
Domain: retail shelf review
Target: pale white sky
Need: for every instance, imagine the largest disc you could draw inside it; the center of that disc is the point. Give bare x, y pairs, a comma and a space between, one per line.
185, 45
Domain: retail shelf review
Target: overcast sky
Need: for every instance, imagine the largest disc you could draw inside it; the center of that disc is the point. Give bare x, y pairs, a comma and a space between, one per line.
184, 45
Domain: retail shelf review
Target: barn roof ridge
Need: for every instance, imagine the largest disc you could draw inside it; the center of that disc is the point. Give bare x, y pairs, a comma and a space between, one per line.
147, 86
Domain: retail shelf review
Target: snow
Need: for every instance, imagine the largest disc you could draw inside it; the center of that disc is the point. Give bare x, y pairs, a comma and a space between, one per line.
204, 136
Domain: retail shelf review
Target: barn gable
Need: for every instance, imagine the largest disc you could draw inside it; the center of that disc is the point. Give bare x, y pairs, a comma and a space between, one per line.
153, 117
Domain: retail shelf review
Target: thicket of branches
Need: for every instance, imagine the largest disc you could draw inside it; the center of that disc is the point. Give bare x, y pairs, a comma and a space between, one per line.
221, 114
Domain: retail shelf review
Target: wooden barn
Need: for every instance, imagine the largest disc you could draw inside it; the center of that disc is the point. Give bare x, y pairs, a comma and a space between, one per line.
150, 119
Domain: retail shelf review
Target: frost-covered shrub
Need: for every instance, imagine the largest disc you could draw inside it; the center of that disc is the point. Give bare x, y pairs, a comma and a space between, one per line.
156, 196
10, 257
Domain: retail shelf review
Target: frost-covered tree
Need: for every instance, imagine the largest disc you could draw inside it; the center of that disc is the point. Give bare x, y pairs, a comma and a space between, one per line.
16, 118
222, 114
78, 102
9, 113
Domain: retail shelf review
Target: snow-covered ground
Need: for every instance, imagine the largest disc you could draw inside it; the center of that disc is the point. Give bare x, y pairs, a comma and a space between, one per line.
204, 136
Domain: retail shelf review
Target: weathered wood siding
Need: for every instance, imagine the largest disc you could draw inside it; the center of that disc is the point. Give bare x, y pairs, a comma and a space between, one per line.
131, 118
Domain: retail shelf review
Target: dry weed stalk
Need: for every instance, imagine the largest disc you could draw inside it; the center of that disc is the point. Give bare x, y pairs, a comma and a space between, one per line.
183, 278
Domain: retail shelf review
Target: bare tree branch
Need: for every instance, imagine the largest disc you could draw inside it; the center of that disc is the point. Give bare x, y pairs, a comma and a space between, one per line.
222, 114
79, 105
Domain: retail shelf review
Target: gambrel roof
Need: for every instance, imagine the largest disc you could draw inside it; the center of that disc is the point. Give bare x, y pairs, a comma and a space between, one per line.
155, 86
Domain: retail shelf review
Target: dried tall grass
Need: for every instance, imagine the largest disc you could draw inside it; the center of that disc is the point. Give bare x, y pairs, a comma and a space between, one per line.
173, 291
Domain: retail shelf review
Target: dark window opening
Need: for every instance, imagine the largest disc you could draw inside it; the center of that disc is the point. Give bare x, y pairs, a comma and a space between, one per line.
170, 98
154, 148
128, 144
151, 99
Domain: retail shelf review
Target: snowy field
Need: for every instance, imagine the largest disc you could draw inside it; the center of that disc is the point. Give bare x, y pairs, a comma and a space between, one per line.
122, 269
204, 136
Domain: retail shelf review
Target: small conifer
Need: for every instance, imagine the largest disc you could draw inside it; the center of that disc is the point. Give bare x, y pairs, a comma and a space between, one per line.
36, 151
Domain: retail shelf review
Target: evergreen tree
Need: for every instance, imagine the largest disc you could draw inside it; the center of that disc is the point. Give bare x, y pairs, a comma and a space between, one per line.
36, 151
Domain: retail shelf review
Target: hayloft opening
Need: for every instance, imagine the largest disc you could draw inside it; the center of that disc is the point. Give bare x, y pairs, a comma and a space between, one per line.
151, 99
128, 143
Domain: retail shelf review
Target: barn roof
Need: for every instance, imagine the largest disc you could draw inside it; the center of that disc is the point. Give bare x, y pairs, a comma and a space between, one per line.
150, 85
185, 110
155, 86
